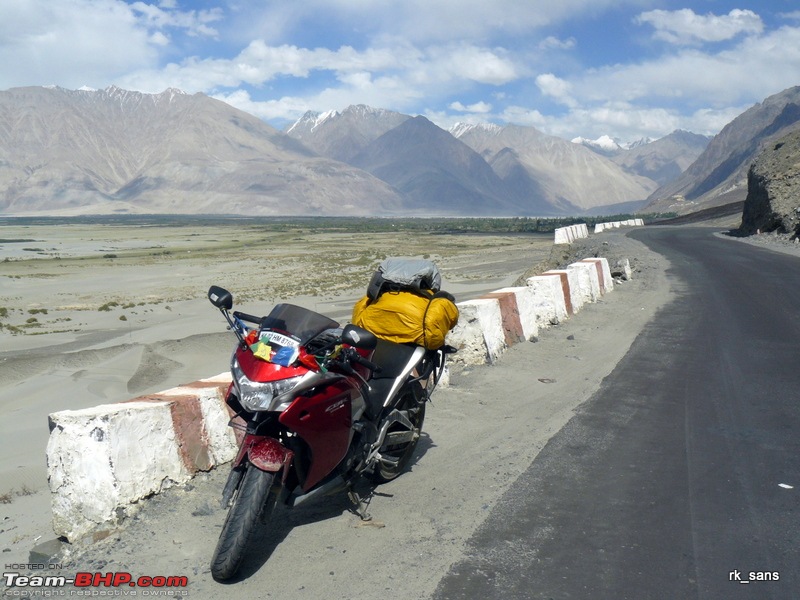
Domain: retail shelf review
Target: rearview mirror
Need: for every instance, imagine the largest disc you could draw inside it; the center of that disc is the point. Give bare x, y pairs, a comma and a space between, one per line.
358, 337
220, 297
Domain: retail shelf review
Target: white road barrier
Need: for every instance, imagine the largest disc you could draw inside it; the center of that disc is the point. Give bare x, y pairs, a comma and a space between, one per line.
616, 224
102, 461
567, 235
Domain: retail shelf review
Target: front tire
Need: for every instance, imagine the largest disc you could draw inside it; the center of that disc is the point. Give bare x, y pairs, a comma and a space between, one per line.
395, 458
243, 517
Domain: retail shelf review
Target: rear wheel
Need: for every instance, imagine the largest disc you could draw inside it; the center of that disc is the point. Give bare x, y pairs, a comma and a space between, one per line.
401, 442
243, 517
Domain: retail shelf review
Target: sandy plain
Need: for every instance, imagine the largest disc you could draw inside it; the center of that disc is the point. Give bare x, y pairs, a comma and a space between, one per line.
93, 314
480, 434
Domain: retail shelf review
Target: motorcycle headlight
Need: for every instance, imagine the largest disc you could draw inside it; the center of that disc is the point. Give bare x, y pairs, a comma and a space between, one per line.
257, 396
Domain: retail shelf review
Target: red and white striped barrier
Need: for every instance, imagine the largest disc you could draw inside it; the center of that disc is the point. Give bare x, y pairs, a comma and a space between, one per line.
102, 461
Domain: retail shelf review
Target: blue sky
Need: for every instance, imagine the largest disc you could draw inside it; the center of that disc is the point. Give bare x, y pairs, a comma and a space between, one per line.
623, 68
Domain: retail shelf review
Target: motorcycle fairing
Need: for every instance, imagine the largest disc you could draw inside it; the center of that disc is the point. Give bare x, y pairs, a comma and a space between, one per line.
324, 421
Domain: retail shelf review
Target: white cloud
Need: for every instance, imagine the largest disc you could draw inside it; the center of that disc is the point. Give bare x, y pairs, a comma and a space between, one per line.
194, 22
76, 42
472, 63
478, 107
687, 27
748, 71
421, 22
70, 43
558, 89
554, 43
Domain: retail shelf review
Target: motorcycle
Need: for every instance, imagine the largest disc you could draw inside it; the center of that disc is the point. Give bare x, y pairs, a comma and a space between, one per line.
315, 408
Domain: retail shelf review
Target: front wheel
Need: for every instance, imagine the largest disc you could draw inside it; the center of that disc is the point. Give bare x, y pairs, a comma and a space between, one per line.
250, 501
396, 456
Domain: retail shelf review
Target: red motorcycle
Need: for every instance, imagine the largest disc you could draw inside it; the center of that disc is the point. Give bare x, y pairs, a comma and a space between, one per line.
316, 407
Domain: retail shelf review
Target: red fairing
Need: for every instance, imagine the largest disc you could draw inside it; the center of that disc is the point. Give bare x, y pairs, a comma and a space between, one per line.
323, 421
257, 369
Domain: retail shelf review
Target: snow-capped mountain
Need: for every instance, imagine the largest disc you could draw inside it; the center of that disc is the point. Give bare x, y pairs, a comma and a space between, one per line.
342, 135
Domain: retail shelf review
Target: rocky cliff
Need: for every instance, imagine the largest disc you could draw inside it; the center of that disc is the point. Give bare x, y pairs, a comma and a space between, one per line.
773, 189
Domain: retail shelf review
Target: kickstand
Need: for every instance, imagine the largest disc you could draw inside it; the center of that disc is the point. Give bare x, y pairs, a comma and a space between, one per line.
359, 506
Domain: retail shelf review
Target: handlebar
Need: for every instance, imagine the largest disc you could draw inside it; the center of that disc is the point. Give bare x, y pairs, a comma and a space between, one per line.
357, 358
246, 317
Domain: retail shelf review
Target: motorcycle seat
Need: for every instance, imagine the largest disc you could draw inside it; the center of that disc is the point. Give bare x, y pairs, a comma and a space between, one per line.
391, 358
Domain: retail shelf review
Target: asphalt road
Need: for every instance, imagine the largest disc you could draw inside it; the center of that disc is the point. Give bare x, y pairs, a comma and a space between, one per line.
680, 477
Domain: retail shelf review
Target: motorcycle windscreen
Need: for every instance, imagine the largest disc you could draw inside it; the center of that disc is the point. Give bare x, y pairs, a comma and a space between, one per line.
300, 323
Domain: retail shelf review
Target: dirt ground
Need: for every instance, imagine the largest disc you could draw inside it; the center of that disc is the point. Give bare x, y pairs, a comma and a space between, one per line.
480, 433
93, 314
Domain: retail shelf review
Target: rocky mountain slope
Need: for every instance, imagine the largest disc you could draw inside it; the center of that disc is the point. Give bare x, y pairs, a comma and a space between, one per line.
540, 174
115, 151
437, 174
773, 183
719, 175
662, 160
568, 176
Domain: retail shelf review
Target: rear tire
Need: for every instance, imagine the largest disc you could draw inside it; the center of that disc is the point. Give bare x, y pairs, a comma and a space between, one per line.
243, 517
410, 403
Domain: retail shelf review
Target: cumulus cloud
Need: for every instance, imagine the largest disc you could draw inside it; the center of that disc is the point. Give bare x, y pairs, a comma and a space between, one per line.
421, 21
477, 107
687, 27
558, 89
554, 43
70, 44
510, 58
166, 15
747, 70
75, 42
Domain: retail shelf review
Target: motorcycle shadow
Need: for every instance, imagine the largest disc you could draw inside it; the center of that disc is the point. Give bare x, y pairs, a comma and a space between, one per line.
270, 535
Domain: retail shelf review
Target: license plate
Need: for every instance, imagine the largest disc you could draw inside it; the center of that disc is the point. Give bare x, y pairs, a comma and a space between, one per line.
273, 337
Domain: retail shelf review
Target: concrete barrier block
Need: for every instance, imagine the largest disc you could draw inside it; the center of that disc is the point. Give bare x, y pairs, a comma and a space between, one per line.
588, 280
604, 271
548, 300
509, 314
526, 309
479, 334
209, 426
571, 285
561, 236
101, 460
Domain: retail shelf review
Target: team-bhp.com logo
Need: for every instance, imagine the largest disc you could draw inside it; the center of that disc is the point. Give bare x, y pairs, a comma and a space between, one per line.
94, 584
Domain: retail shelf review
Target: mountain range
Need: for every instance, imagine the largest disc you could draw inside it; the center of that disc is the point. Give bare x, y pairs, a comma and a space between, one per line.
116, 151
719, 175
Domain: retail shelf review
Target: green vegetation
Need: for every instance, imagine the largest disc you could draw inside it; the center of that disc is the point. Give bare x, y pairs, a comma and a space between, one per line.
340, 224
